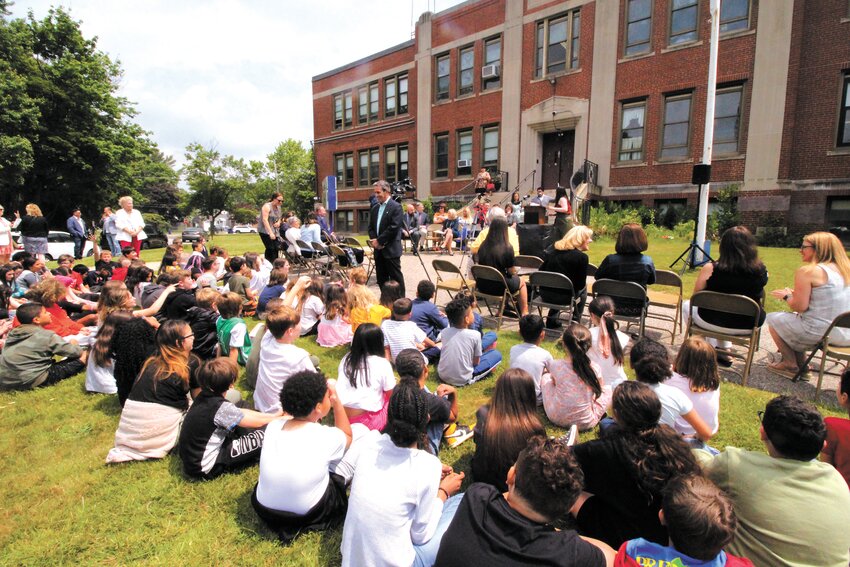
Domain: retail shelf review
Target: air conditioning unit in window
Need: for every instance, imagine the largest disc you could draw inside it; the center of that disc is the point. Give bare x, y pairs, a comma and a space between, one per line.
490, 71
461, 163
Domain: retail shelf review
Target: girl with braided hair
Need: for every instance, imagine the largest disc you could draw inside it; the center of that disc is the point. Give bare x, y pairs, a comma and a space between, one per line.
400, 502
574, 392
607, 342
626, 470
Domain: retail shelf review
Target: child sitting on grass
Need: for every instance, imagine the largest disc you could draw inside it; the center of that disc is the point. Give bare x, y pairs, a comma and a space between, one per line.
462, 361
608, 343
309, 302
233, 339
361, 301
401, 333
365, 379
488, 338
208, 276
203, 318
27, 358
279, 358
700, 522
528, 355
574, 393
426, 315
836, 451
217, 437
239, 283
695, 375
334, 329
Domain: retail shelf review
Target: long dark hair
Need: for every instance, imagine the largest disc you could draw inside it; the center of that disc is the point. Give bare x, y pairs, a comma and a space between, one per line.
512, 419
407, 414
577, 341
560, 192
102, 349
603, 307
515, 199
654, 452
496, 250
738, 252
368, 341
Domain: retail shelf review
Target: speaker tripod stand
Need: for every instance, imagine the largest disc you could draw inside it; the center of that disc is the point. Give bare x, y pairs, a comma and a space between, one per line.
689, 256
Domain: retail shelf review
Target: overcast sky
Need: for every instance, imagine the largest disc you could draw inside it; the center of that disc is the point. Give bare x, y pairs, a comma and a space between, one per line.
234, 73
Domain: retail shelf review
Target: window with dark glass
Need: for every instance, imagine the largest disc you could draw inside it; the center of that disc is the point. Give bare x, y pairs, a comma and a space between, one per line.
677, 121
344, 170
344, 221
337, 111
844, 114
362, 105
443, 70
348, 109
363, 169
684, 16
558, 44
734, 15
492, 64
374, 165
339, 161
349, 170
441, 155
631, 131
727, 121
466, 71
638, 26
490, 147
374, 101
403, 168
390, 163
464, 152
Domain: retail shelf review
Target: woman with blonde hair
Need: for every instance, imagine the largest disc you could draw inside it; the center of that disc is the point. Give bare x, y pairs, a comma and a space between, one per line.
820, 294
568, 256
451, 228
34, 230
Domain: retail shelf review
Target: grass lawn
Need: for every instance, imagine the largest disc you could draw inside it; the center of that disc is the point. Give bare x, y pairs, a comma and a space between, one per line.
62, 504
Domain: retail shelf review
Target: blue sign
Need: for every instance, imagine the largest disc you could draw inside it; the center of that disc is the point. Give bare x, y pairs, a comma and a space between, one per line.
330, 193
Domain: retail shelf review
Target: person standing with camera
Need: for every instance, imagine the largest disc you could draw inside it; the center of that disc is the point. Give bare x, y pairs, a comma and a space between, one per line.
385, 226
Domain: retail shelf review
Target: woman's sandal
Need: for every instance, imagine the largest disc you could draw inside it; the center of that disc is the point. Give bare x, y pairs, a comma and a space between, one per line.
785, 373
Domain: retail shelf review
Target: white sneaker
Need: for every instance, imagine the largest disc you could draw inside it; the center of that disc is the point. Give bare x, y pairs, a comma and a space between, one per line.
456, 435
571, 437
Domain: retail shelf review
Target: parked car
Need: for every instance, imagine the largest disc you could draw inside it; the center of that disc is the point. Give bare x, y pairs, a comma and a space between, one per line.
58, 243
241, 228
192, 234
156, 238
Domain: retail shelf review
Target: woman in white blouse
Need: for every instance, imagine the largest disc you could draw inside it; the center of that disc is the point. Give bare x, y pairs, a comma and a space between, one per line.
130, 225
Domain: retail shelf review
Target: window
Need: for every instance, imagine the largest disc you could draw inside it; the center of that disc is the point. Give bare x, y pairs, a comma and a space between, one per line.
443, 67
677, 121
844, 114
490, 147
558, 44
441, 155
395, 95
337, 111
838, 211
734, 15
638, 26
464, 151
374, 165
631, 128
363, 170
363, 220
369, 171
493, 56
683, 21
727, 119
344, 164
348, 109
373, 101
466, 71
362, 105
344, 221
396, 162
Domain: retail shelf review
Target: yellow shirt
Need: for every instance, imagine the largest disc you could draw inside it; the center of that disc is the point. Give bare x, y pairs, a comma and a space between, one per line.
512, 237
375, 314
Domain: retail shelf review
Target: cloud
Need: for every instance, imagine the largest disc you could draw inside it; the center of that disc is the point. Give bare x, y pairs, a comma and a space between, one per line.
235, 73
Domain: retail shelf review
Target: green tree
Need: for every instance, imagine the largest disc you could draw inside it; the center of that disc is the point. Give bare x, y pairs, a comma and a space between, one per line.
158, 185
289, 169
215, 182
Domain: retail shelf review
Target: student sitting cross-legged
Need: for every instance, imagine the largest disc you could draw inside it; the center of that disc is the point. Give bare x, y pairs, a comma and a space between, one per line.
401, 333
515, 527
233, 339
216, 436
296, 490
365, 380
528, 355
426, 315
461, 360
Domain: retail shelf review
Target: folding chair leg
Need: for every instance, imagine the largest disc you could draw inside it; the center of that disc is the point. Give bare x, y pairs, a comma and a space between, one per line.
749, 361
805, 365
501, 313
820, 373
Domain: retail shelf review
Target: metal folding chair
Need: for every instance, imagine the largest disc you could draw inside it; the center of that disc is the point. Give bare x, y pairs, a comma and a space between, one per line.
487, 273
630, 291
449, 284
666, 300
841, 353
555, 282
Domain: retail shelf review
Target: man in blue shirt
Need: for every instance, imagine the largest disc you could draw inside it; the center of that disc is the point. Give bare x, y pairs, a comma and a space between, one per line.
425, 314
385, 224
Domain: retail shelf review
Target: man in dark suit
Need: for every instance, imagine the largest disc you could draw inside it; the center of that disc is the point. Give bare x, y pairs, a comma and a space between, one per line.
385, 227
78, 232
410, 230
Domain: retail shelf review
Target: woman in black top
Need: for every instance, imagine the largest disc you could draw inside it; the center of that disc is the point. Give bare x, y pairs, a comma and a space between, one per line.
737, 271
496, 251
34, 230
503, 427
568, 257
625, 470
629, 264
562, 211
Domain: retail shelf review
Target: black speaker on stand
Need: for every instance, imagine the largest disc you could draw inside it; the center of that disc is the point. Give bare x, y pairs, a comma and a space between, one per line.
700, 176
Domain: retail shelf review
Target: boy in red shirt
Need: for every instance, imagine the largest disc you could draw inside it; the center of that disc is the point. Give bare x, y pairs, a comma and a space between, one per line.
836, 451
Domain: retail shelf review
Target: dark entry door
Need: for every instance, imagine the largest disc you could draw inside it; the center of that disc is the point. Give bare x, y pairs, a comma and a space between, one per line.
558, 158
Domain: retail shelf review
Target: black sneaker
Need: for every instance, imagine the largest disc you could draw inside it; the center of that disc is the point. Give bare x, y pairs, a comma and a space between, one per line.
552, 323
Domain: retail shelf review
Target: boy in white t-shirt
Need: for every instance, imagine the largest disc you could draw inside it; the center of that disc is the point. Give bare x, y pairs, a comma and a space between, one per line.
462, 361
401, 333
528, 355
279, 358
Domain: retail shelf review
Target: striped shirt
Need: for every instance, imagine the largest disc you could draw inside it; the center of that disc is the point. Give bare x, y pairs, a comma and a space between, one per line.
399, 335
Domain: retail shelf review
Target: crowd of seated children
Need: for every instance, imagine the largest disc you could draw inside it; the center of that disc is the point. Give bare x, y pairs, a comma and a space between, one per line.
650, 361
303, 494
528, 355
574, 392
504, 426
233, 339
363, 306
426, 315
502, 528
462, 360
401, 333
27, 359
49, 292
334, 328
791, 508
401, 496
626, 469
365, 379
696, 375
837, 449
700, 522
216, 436
151, 417
279, 358
608, 344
